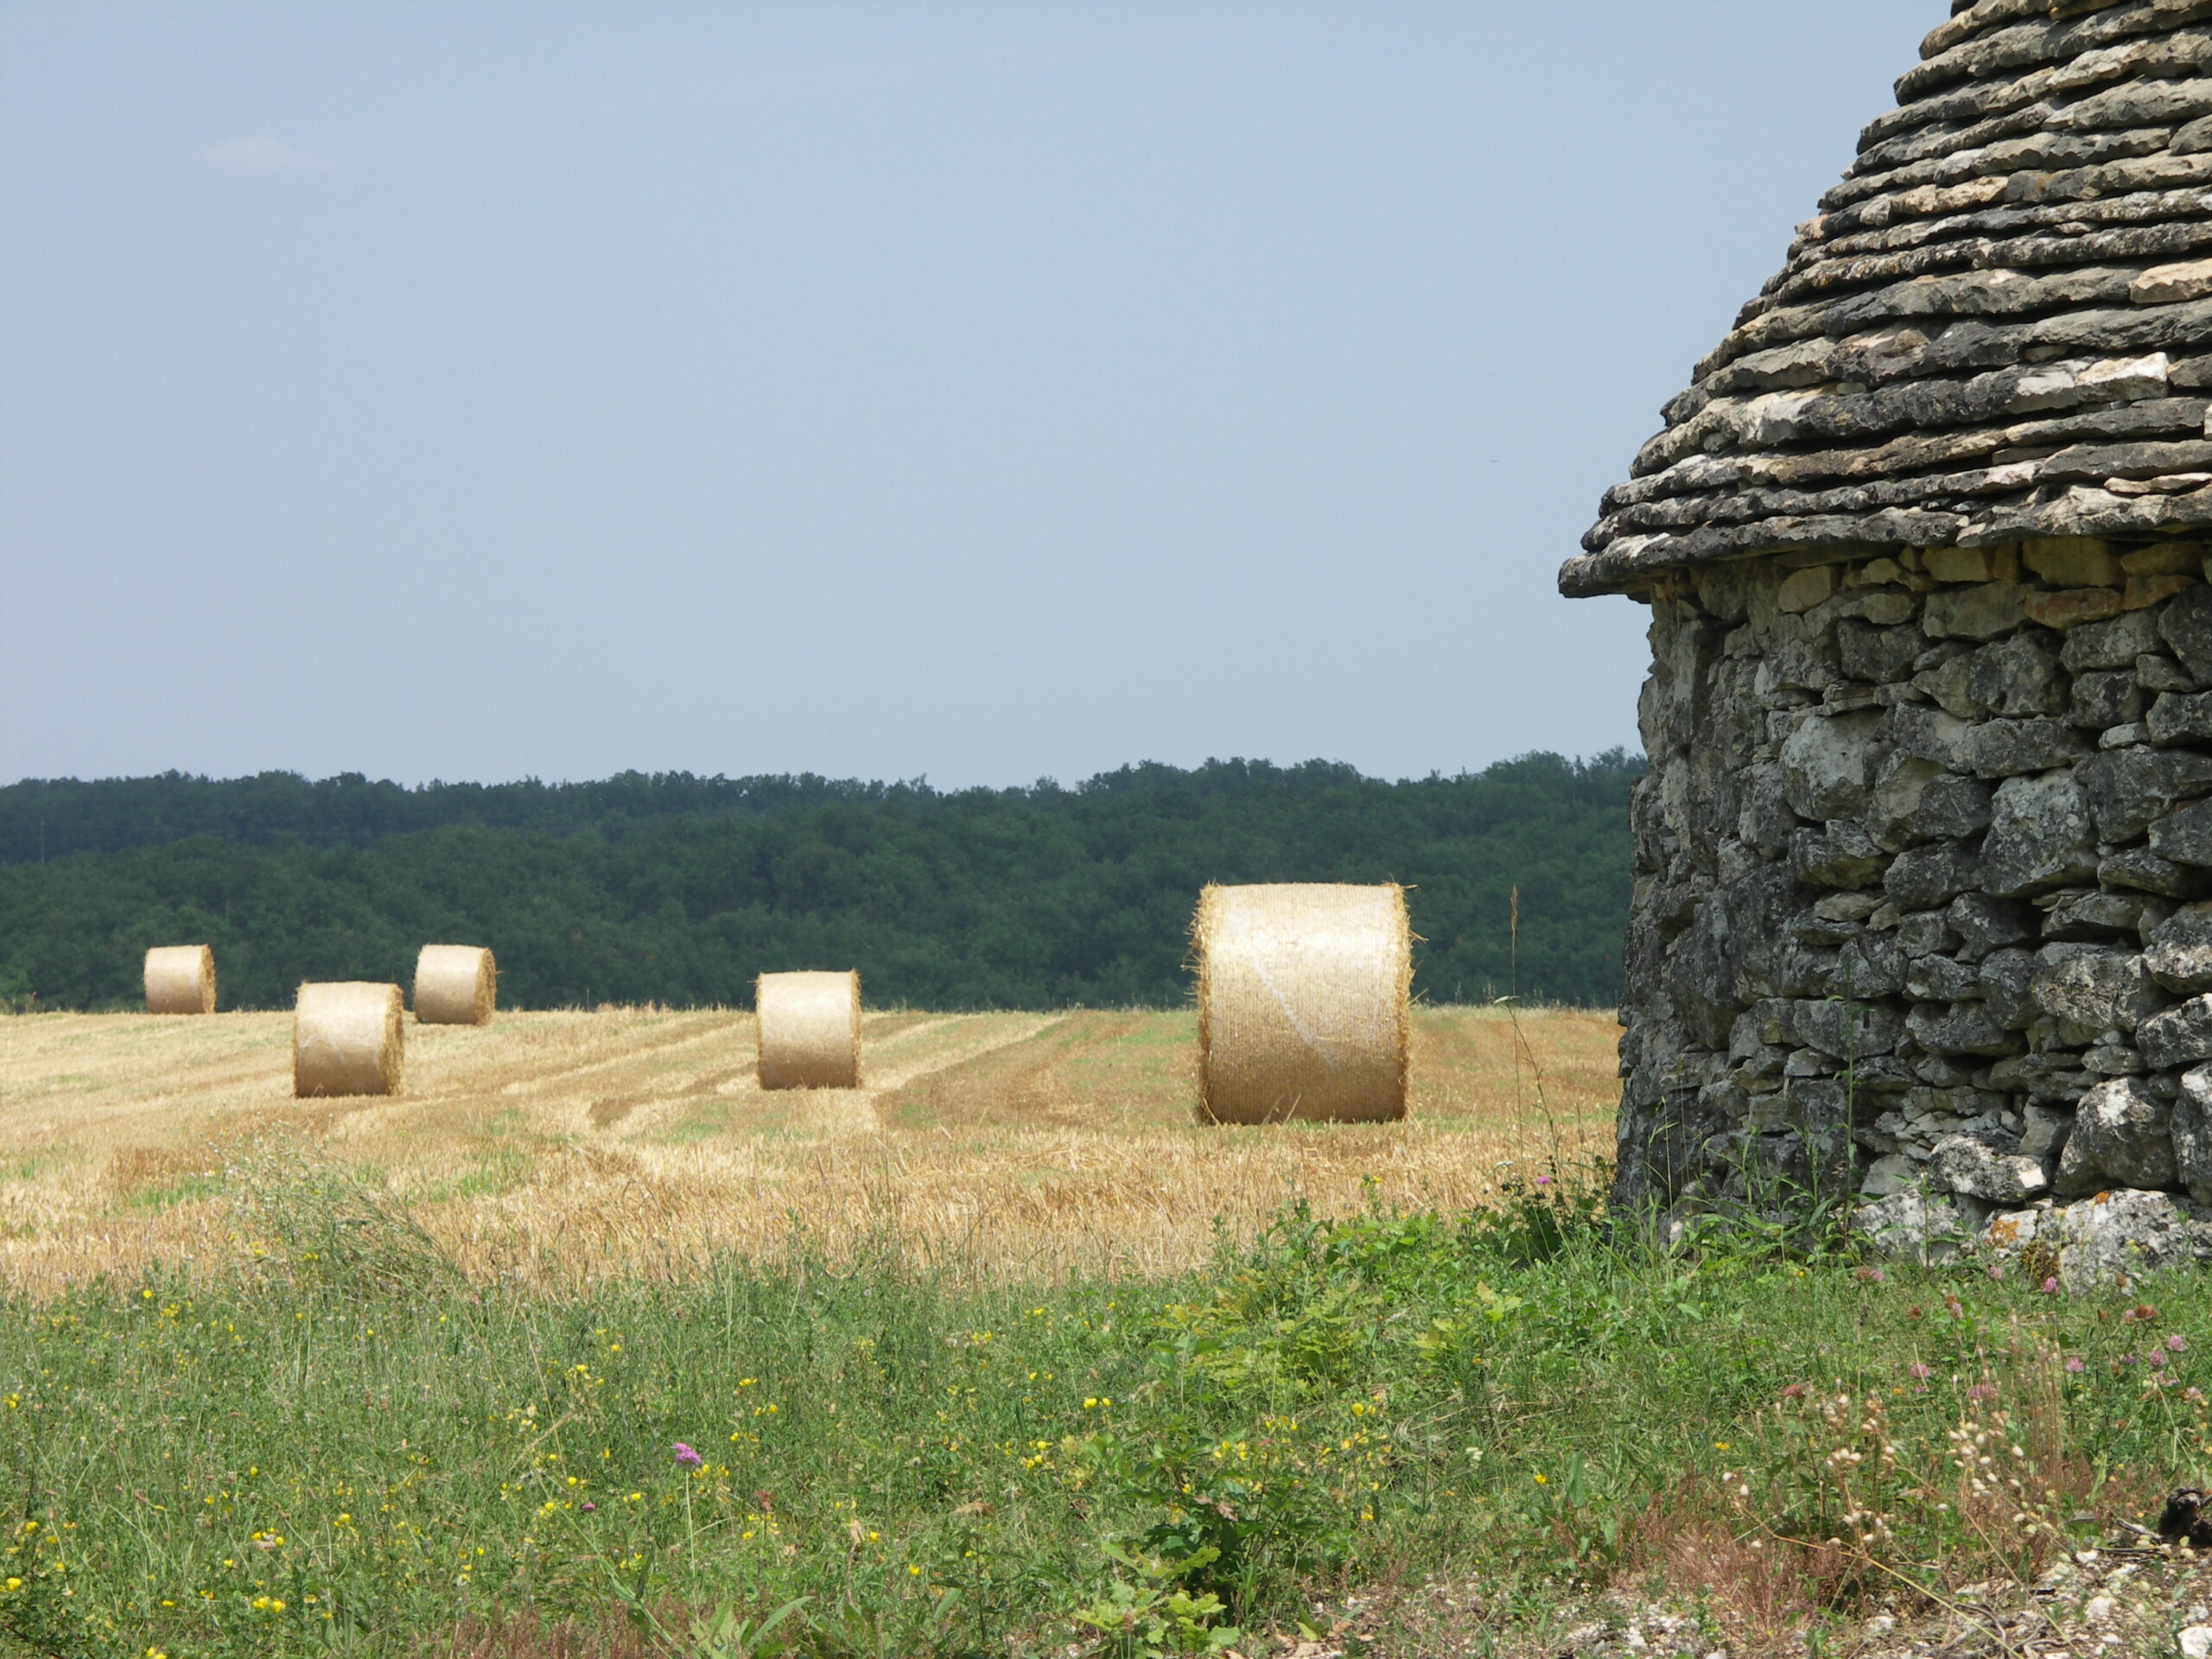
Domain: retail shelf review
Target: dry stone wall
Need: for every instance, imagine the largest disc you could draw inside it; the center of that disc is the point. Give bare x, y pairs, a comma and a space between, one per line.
1923, 915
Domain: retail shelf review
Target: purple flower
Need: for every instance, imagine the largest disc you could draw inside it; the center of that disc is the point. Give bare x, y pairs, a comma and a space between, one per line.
2050, 1286
2155, 1360
2073, 1364
1997, 1271
1982, 1391
687, 1457
1918, 1372
1543, 1180
2177, 1343
589, 1506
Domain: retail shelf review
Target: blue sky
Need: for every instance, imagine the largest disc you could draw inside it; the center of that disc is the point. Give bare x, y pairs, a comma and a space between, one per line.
980, 391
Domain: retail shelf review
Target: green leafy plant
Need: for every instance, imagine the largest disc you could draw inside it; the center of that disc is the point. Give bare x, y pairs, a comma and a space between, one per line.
1149, 1614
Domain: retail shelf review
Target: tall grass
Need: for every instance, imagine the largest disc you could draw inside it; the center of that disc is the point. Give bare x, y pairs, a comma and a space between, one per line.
348, 1447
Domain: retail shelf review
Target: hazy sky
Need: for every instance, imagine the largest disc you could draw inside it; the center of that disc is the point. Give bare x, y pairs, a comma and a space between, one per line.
981, 391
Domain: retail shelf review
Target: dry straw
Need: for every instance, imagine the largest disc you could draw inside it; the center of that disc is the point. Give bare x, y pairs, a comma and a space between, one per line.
1304, 1005
180, 979
810, 1030
455, 985
348, 1039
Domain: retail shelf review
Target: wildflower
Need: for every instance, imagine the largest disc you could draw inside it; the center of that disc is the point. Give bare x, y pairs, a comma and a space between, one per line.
1543, 1180
2073, 1364
686, 1456
1918, 1372
589, 1506
2177, 1343
2155, 1360
1868, 1275
1981, 1391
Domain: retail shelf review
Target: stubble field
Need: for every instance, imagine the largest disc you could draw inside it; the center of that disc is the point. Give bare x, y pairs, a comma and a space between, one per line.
564, 1148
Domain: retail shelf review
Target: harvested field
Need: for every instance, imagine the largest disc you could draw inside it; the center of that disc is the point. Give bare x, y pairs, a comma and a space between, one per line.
565, 1148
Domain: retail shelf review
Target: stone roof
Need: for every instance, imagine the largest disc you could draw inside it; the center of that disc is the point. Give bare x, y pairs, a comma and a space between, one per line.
1999, 328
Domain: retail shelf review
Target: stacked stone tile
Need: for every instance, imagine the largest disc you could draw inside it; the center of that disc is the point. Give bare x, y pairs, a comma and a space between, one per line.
1923, 901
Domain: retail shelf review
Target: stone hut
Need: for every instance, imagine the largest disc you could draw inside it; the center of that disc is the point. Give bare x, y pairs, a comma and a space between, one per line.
1922, 911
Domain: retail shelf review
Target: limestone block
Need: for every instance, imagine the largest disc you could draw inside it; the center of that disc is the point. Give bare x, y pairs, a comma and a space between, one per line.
1984, 922
1845, 1028
1918, 1224
1942, 979
1946, 684
2143, 870
2181, 716
2180, 1036
2105, 697
1870, 965
2006, 748
1840, 855
1930, 876
2170, 284
2093, 914
2100, 988
2006, 982
2184, 836
2185, 625
2119, 1235
2123, 1136
2179, 956
2143, 593
2155, 672
2020, 674
2192, 1132
2043, 1130
1926, 933
1916, 799
2129, 789
1978, 613
2072, 562
2041, 836
1878, 655
1829, 763
1980, 1169
1801, 590
1958, 1028
2071, 608
2115, 644
1929, 734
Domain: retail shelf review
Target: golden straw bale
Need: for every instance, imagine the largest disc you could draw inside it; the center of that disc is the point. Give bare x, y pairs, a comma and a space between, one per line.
810, 1030
180, 979
348, 1039
455, 985
1305, 1006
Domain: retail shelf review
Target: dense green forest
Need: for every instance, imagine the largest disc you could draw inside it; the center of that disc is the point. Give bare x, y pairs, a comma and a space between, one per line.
679, 889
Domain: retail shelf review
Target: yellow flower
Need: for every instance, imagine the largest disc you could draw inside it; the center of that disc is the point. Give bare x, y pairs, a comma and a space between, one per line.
1541, 1481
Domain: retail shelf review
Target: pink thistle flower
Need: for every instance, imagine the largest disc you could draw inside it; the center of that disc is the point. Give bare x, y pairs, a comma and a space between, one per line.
2073, 1366
2177, 1343
1918, 1372
2050, 1286
686, 1456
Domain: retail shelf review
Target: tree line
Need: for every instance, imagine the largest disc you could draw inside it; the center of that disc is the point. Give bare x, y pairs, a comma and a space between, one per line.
678, 889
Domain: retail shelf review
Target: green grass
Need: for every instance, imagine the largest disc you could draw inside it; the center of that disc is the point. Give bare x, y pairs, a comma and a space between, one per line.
348, 1449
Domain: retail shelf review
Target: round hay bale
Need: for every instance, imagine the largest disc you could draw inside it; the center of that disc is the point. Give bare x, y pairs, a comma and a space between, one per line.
180, 979
455, 985
1304, 1005
810, 1030
348, 1039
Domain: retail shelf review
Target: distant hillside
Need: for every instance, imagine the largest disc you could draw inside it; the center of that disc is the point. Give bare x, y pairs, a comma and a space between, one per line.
679, 889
